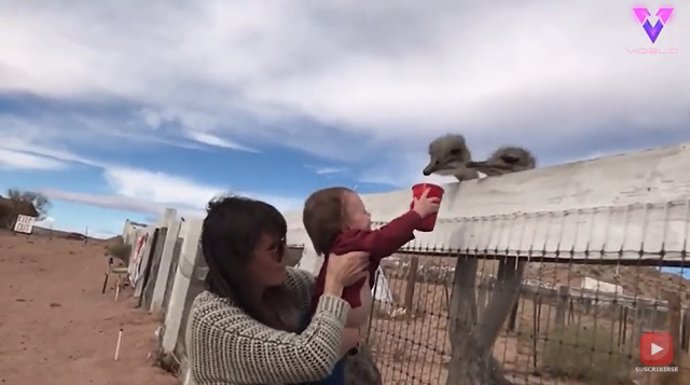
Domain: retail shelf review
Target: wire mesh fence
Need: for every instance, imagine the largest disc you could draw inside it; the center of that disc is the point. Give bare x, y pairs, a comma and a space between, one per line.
572, 323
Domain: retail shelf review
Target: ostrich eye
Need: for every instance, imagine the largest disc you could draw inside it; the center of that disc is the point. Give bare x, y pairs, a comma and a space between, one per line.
455, 151
510, 159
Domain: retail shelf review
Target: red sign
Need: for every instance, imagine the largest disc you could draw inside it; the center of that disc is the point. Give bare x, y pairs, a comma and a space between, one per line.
656, 349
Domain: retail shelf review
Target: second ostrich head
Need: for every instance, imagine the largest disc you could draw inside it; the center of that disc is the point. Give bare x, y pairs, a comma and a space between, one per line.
505, 160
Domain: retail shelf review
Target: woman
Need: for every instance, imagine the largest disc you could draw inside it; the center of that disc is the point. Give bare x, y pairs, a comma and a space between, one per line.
245, 326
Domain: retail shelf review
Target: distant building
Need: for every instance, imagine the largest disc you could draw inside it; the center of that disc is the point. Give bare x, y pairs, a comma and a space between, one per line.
10, 210
589, 283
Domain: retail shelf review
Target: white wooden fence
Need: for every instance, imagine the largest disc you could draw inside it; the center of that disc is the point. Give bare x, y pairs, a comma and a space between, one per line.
626, 209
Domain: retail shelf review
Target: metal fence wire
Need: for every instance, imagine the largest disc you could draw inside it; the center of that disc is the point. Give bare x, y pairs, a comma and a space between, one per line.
578, 314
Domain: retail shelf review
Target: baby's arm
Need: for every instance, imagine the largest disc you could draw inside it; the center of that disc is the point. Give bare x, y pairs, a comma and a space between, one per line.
389, 238
380, 244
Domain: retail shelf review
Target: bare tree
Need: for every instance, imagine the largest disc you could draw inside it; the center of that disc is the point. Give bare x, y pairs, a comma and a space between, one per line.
21, 202
473, 336
40, 201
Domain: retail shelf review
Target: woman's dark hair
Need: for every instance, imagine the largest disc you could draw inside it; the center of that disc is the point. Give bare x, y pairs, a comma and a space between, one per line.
231, 231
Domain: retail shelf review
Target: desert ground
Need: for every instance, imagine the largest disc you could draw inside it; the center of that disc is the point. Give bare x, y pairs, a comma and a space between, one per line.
55, 325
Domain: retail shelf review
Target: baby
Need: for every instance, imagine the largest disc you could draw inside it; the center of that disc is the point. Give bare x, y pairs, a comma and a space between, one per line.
337, 222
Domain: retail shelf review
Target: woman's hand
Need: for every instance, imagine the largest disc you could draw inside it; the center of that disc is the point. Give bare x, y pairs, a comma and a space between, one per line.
344, 270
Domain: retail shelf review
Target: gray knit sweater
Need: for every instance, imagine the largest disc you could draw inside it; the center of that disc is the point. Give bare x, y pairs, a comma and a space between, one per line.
228, 347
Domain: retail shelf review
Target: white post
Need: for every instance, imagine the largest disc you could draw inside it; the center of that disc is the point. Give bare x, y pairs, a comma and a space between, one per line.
178, 294
124, 230
117, 287
173, 224
117, 345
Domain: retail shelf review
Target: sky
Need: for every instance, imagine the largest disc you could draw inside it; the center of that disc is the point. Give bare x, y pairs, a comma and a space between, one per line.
119, 109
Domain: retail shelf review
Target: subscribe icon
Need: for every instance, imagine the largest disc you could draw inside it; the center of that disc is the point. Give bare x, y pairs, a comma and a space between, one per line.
656, 349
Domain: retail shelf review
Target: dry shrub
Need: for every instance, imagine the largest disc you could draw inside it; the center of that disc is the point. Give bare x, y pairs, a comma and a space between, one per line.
120, 250
587, 354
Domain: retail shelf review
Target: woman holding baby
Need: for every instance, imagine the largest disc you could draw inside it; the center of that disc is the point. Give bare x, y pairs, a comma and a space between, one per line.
259, 322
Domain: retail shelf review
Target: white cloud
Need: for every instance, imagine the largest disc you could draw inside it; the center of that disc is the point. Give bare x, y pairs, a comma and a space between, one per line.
47, 222
159, 187
382, 78
213, 140
325, 170
22, 160
151, 192
116, 202
55, 153
183, 192
329, 170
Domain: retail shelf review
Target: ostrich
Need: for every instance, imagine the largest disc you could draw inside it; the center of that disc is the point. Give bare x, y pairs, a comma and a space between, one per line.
472, 337
449, 155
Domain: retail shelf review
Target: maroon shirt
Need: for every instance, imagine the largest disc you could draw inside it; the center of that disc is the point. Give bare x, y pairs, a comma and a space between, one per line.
379, 243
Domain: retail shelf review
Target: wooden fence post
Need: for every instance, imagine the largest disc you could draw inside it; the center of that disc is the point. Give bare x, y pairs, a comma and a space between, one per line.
409, 289
536, 316
512, 321
482, 294
685, 343
561, 305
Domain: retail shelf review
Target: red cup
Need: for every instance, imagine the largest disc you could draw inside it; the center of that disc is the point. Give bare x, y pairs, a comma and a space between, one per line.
429, 222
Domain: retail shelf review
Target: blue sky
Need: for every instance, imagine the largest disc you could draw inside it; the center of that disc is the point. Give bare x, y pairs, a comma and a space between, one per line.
117, 111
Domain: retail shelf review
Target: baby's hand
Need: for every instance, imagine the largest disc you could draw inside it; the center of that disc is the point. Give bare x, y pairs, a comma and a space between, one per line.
425, 205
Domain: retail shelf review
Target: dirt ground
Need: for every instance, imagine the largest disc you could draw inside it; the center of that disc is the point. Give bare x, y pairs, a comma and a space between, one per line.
57, 328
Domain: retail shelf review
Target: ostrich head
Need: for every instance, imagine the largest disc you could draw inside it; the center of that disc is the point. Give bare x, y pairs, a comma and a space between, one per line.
447, 155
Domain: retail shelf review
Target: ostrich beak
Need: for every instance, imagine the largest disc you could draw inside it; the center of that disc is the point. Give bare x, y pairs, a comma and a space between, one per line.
431, 167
